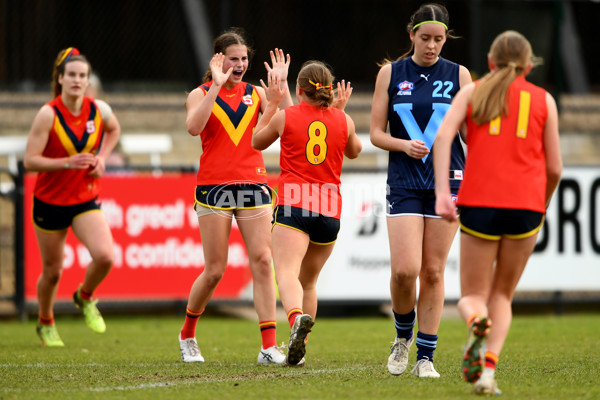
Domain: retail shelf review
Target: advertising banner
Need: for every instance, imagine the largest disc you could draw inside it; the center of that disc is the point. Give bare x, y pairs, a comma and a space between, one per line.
158, 252
566, 258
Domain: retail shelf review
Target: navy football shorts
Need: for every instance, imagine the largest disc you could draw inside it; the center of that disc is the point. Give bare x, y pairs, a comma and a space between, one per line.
319, 228
495, 223
50, 217
234, 196
418, 202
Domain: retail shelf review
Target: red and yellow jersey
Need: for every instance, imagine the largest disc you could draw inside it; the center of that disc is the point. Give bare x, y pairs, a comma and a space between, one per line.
71, 135
227, 152
506, 164
312, 152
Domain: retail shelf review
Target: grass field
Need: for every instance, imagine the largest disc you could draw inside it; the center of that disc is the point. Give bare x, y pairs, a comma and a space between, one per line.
545, 357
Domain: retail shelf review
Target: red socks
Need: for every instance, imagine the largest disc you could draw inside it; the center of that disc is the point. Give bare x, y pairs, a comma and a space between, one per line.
189, 325
267, 328
491, 359
292, 314
46, 320
85, 294
268, 331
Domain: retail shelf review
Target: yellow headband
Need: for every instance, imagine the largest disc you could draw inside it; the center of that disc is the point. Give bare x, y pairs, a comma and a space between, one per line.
67, 54
430, 22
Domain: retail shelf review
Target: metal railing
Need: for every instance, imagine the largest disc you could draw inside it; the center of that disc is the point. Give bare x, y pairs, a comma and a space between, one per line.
12, 193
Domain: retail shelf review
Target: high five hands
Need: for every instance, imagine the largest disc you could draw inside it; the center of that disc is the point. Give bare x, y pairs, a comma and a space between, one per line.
274, 90
344, 91
281, 65
216, 68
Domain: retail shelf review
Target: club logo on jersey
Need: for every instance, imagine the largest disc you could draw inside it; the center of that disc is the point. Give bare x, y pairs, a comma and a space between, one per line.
90, 127
404, 111
247, 99
236, 122
406, 88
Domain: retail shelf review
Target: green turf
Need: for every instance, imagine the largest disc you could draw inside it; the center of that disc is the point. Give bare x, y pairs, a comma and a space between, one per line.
545, 357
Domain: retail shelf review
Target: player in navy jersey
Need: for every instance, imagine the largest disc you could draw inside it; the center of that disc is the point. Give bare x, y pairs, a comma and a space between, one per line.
412, 94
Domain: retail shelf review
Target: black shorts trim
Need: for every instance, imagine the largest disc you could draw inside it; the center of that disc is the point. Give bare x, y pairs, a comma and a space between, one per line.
320, 229
234, 196
51, 217
495, 223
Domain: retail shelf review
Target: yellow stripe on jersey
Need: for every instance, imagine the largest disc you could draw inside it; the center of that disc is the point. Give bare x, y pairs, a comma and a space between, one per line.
495, 126
523, 120
67, 142
93, 139
236, 132
64, 138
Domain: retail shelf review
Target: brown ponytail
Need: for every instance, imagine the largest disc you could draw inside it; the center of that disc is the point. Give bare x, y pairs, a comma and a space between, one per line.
511, 54
316, 81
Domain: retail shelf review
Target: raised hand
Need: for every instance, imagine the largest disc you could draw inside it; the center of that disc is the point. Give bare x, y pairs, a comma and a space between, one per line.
274, 91
344, 91
281, 64
216, 68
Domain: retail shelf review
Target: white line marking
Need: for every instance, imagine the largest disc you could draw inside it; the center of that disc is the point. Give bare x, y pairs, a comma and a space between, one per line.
193, 381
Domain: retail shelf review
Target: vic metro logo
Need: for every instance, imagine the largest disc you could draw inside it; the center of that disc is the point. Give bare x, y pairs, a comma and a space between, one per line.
404, 111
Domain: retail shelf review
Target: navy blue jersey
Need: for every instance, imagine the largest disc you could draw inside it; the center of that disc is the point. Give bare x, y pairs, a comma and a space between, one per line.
419, 99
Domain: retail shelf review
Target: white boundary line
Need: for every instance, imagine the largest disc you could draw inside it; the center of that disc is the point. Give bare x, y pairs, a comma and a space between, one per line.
194, 381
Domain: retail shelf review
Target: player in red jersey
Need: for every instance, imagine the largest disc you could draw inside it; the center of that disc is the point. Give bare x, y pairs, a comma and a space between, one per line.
513, 167
314, 135
69, 141
232, 181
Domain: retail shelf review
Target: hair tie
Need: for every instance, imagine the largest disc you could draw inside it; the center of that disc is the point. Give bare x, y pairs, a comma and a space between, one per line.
67, 54
430, 22
319, 86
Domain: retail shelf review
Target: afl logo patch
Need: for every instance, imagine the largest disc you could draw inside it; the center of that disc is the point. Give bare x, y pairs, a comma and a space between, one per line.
406, 86
247, 100
90, 127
